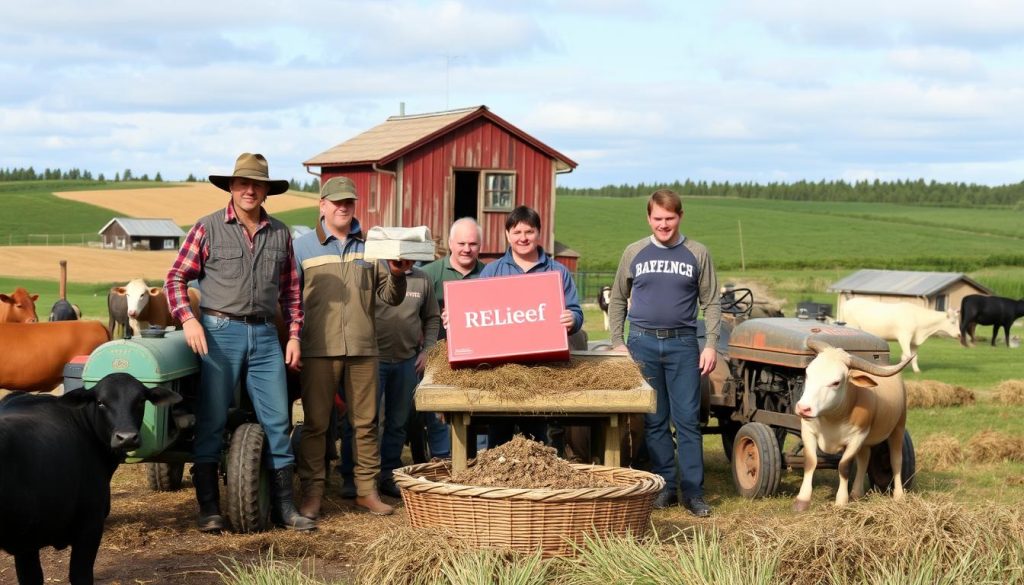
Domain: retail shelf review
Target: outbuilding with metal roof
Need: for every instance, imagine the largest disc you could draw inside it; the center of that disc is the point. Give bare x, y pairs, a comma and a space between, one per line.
127, 233
935, 290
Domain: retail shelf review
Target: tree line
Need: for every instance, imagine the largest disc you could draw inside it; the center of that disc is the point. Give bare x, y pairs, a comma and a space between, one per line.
900, 191
30, 174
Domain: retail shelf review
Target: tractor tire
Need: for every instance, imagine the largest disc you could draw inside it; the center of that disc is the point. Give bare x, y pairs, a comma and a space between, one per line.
248, 489
165, 477
729, 430
880, 468
756, 461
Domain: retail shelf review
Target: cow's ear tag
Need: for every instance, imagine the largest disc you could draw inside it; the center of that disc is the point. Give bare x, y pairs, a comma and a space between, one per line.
862, 380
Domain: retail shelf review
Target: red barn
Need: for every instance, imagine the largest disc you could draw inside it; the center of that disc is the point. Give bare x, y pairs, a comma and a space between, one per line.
431, 169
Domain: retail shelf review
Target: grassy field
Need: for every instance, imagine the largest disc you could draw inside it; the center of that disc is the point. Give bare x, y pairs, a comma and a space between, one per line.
786, 234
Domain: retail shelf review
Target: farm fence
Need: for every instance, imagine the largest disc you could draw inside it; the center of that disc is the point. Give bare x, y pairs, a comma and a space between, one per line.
50, 239
588, 284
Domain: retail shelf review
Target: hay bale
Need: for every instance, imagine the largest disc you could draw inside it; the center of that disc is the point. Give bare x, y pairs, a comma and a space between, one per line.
931, 394
995, 447
940, 452
1010, 392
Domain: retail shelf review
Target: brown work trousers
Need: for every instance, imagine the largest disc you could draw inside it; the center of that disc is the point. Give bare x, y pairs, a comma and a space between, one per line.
321, 377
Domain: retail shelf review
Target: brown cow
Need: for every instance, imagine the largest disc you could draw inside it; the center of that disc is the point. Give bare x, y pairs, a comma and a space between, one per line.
18, 307
35, 354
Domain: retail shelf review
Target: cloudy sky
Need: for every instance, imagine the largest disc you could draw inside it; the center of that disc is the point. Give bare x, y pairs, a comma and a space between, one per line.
633, 90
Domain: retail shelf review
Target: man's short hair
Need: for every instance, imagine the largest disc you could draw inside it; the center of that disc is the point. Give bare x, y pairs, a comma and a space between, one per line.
666, 199
466, 220
523, 214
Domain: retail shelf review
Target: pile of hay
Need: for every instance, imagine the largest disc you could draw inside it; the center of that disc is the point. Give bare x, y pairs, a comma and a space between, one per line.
995, 447
1010, 392
930, 394
940, 452
519, 381
880, 535
522, 463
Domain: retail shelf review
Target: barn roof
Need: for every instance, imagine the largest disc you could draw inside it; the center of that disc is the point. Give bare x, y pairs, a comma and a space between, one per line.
902, 282
399, 135
165, 228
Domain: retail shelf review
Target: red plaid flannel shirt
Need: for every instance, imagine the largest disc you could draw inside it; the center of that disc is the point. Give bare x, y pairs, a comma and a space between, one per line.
189, 266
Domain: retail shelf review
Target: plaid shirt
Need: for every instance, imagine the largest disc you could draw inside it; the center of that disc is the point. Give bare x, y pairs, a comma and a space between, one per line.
192, 258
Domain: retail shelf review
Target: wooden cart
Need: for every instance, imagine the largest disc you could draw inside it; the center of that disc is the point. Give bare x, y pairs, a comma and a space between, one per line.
609, 408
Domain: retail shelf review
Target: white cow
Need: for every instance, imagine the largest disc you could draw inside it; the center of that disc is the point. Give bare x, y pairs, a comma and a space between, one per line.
908, 324
144, 306
848, 405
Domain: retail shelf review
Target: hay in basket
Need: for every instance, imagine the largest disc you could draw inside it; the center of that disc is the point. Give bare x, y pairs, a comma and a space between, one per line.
529, 519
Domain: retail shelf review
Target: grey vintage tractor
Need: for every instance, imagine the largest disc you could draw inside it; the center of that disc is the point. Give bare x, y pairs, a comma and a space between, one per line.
753, 392
160, 358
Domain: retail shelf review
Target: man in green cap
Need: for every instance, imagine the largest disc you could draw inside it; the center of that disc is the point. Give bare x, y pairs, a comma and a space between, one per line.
242, 259
339, 343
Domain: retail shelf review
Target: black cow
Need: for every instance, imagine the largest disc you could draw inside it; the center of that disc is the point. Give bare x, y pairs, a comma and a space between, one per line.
603, 298
58, 455
985, 310
65, 311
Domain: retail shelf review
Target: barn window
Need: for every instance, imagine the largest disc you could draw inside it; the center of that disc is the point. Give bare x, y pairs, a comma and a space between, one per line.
499, 191
169, 244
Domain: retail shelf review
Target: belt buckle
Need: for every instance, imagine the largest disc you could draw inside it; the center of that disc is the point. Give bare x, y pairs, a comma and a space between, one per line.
663, 333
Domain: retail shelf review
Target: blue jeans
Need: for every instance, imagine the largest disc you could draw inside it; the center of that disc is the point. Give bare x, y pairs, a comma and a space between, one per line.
439, 438
397, 382
235, 348
672, 368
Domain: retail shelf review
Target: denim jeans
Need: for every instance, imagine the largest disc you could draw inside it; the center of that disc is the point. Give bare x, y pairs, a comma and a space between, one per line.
396, 385
671, 366
234, 348
439, 438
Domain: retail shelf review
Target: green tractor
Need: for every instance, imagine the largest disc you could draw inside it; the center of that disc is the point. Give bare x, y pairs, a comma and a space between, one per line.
162, 358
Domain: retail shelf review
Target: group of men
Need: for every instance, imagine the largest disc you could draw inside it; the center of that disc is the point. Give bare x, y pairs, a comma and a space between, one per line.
364, 326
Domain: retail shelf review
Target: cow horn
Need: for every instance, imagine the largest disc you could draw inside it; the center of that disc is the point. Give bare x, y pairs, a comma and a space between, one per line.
859, 363
818, 345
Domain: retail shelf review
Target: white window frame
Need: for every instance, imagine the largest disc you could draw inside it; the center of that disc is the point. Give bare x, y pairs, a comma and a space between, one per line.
488, 202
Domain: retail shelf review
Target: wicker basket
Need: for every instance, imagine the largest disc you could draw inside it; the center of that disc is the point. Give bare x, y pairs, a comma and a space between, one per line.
551, 520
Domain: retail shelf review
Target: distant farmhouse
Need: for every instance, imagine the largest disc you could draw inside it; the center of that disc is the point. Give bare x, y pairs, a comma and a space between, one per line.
431, 169
124, 233
935, 290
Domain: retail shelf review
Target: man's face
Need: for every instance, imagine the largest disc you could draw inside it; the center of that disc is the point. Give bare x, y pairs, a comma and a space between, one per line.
338, 214
523, 239
247, 195
465, 246
664, 224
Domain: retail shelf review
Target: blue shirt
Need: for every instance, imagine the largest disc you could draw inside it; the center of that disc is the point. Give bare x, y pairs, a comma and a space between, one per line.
506, 266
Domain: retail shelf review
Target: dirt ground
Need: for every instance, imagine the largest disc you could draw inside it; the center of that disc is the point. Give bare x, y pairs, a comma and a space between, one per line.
85, 264
150, 539
190, 201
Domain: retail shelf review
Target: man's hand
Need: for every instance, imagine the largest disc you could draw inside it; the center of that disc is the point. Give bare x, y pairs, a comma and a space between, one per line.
421, 363
399, 267
195, 336
620, 348
708, 359
444, 318
567, 319
293, 355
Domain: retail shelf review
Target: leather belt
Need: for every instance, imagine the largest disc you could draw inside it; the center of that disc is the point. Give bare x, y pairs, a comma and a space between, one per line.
664, 333
247, 319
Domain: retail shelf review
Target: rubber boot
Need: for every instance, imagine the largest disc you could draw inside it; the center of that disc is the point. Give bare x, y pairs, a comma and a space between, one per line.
207, 483
283, 512
312, 494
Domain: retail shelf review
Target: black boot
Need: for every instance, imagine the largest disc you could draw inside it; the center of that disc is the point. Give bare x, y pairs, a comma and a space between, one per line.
284, 513
207, 482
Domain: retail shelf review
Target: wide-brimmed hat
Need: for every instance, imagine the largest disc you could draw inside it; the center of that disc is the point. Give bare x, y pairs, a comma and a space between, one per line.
338, 189
251, 166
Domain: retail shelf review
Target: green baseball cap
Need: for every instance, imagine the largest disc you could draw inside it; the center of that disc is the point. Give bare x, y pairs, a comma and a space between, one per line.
338, 189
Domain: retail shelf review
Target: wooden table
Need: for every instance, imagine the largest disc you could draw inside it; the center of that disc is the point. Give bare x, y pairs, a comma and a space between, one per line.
610, 407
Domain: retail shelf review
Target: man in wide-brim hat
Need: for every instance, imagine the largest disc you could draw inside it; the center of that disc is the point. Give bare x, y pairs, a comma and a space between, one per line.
243, 261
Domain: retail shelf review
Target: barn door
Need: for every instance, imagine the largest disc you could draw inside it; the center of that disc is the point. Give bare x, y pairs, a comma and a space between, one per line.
467, 195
